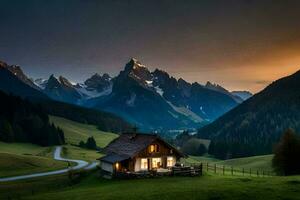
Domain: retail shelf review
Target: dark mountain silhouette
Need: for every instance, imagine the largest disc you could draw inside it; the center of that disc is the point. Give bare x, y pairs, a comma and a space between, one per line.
244, 95
254, 126
19, 86
61, 90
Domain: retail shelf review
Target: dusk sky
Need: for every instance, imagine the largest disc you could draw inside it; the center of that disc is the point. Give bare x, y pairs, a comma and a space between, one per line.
241, 44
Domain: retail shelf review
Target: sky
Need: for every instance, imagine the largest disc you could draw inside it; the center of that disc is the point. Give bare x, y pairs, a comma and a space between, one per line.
239, 44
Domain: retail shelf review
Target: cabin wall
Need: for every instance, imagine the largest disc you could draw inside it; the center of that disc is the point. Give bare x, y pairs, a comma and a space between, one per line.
137, 165
164, 152
107, 167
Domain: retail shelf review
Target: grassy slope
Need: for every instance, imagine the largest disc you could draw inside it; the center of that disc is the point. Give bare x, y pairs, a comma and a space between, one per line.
173, 188
13, 165
254, 162
74, 152
20, 159
75, 132
25, 149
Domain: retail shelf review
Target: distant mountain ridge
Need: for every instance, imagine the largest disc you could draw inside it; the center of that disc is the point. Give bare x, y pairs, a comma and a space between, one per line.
18, 84
157, 101
244, 95
152, 100
13, 81
253, 127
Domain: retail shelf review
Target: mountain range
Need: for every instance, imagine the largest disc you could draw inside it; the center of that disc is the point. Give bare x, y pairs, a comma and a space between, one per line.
255, 126
13, 81
153, 101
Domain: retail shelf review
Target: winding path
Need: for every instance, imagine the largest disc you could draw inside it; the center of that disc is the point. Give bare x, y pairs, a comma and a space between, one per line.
80, 165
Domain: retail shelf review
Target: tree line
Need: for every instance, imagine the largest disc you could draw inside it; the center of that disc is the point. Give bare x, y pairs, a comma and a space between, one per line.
103, 120
23, 121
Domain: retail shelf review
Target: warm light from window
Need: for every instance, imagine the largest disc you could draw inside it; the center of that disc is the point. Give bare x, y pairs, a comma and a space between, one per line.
156, 162
144, 163
117, 166
152, 148
170, 161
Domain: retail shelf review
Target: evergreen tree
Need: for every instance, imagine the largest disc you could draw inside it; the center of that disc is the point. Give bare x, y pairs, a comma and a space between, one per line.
91, 143
82, 144
22, 121
202, 150
6, 132
286, 160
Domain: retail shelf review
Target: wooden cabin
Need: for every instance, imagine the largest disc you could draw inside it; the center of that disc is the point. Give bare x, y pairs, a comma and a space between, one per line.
136, 152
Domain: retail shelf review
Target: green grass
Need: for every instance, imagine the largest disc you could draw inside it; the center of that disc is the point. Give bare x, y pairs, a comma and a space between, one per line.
76, 132
178, 188
18, 189
254, 162
25, 149
74, 152
199, 159
20, 158
13, 165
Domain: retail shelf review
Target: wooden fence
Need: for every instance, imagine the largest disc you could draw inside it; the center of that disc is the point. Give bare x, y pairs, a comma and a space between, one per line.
232, 171
195, 170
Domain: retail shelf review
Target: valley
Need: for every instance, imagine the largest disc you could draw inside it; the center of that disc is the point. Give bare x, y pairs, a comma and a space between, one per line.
149, 100
43, 187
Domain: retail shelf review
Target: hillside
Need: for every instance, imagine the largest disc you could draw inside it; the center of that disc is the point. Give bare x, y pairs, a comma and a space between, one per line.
19, 159
76, 132
103, 120
253, 127
23, 121
254, 162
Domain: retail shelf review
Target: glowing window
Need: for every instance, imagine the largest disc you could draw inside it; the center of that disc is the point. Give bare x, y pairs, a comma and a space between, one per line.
117, 166
170, 161
153, 148
144, 163
156, 162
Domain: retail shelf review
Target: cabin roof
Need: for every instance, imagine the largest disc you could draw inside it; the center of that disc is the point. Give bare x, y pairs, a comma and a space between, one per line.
129, 144
113, 158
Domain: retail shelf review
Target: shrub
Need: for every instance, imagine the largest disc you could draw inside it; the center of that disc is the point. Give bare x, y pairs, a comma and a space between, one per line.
194, 147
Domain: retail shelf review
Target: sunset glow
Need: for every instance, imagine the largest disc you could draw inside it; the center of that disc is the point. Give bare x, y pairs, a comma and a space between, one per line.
242, 45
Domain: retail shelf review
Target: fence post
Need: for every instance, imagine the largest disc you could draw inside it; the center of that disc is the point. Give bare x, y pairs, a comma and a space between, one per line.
232, 171
201, 169
223, 169
257, 173
206, 166
215, 168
